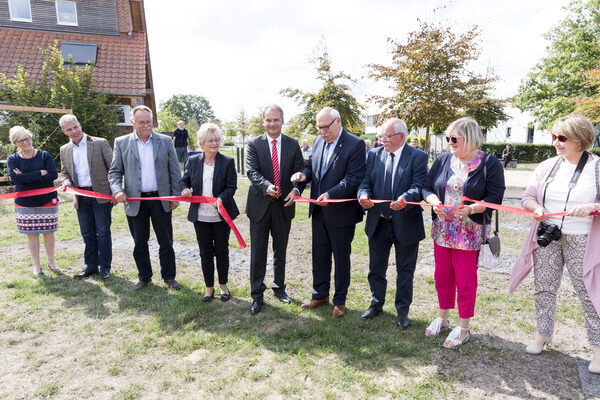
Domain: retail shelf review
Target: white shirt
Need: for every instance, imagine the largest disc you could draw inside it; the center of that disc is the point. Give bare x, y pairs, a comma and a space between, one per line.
583, 192
397, 155
80, 162
207, 212
146, 153
278, 146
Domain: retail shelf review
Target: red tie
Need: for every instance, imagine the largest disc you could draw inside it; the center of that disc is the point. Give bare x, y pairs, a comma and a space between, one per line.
275, 161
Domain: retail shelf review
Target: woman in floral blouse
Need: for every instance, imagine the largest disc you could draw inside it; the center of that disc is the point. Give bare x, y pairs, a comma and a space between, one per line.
457, 233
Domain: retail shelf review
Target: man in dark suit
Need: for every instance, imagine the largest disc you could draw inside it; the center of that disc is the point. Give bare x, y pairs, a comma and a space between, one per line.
271, 160
85, 161
336, 167
144, 164
394, 172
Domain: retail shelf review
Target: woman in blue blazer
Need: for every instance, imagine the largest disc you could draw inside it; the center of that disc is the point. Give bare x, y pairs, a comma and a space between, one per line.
211, 174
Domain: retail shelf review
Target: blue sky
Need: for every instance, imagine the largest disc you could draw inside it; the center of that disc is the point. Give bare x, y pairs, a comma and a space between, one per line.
240, 53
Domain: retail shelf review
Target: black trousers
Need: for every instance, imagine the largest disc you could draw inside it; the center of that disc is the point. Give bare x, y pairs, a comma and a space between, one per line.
328, 240
406, 260
139, 226
213, 240
275, 222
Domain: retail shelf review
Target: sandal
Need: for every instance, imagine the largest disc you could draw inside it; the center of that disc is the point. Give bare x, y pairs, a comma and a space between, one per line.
453, 339
435, 327
530, 349
54, 269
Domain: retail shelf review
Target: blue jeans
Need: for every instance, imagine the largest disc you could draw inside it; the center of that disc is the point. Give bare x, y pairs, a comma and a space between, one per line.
182, 154
94, 224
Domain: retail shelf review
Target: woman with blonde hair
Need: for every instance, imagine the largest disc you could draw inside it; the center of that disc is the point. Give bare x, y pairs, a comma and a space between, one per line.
30, 169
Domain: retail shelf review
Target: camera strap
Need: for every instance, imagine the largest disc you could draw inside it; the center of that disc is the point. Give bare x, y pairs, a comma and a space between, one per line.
574, 179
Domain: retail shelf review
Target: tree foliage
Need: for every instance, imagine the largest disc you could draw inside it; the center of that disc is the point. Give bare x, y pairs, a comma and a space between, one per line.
167, 121
551, 88
432, 83
590, 106
333, 94
60, 85
188, 106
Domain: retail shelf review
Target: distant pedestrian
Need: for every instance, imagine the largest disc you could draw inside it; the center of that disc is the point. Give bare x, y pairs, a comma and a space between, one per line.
181, 141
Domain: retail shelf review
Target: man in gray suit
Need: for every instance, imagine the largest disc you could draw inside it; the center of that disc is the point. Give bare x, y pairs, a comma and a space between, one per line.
144, 164
85, 161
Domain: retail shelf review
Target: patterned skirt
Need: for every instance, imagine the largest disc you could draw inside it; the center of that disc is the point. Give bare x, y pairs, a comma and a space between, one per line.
36, 220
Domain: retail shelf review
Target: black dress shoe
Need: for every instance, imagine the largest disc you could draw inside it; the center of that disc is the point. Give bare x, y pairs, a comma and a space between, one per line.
225, 297
371, 313
86, 273
208, 299
255, 307
283, 297
403, 321
105, 274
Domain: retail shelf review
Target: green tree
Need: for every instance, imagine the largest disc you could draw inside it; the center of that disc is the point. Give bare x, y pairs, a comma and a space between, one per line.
332, 93
167, 121
590, 106
551, 87
431, 82
188, 106
60, 85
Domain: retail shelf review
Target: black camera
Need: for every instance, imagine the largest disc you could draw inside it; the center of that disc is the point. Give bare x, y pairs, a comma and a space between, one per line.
547, 233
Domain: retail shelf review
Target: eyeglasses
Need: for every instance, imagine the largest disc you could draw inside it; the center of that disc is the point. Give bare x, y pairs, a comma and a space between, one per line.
454, 139
326, 127
143, 122
212, 141
23, 140
560, 138
388, 137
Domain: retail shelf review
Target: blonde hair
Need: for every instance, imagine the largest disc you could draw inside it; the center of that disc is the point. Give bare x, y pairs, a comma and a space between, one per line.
575, 127
17, 133
207, 129
469, 129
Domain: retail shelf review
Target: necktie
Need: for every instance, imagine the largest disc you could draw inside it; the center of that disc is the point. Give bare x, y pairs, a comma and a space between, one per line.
324, 159
387, 185
275, 161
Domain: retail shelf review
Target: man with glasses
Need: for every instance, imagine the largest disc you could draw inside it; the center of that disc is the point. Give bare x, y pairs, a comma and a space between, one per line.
271, 160
394, 172
335, 169
144, 164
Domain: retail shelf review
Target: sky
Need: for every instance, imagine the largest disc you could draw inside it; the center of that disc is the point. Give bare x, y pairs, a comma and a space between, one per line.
240, 53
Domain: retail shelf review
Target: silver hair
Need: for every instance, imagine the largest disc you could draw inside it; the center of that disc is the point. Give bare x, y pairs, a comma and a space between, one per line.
333, 113
141, 107
400, 127
17, 133
272, 107
209, 129
468, 128
67, 118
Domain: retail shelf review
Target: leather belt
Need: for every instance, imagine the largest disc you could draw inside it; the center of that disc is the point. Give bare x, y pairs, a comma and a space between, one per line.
149, 194
89, 188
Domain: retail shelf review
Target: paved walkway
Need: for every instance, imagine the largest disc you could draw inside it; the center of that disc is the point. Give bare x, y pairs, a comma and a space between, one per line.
516, 182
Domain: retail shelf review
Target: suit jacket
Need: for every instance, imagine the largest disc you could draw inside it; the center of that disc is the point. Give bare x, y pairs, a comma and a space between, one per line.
260, 172
408, 181
125, 174
99, 155
224, 183
341, 178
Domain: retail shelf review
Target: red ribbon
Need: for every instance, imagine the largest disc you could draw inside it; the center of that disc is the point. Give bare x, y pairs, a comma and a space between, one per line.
87, 193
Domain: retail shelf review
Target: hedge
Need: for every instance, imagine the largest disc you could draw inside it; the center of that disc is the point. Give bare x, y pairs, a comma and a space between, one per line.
526, 152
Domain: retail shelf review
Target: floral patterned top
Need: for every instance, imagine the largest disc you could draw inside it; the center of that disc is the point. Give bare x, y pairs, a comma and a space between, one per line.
450, 231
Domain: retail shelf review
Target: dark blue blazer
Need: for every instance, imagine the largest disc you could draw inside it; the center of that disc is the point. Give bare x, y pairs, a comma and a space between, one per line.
341, 179
224, 182
476, 188
408, 181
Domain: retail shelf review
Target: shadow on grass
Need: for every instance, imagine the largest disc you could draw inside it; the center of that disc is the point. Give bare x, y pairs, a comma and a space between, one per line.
487, 363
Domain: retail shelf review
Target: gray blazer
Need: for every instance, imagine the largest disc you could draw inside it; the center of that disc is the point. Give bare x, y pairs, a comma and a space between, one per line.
125, 174
99, 155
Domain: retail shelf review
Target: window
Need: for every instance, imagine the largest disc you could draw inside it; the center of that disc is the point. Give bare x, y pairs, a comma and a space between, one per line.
81, 53
371, 120
20, 10
123, 115
508, 132
66, 12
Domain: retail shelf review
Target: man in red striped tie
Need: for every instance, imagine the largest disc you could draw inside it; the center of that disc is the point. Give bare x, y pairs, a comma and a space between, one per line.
271, 159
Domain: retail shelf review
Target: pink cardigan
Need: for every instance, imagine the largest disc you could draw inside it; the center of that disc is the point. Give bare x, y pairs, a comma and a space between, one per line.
591, 259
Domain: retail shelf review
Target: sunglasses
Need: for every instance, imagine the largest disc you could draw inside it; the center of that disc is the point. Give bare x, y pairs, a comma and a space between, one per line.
454, 139
560, 138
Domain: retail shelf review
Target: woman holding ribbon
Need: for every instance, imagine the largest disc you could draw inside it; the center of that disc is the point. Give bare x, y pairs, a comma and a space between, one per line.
211, 174
457, 231
567, 183
31, 169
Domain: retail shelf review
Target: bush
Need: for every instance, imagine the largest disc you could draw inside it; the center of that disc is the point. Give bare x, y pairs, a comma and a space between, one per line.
523, 152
